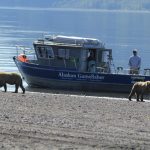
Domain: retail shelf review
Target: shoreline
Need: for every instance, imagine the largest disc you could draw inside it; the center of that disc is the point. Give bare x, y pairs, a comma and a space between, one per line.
69, 121
77, 92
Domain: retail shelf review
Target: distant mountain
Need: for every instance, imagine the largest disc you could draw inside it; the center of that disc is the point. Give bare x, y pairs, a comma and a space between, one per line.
82, 4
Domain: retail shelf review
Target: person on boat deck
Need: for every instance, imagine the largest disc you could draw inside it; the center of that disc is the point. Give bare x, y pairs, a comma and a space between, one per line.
134, 63
91, 62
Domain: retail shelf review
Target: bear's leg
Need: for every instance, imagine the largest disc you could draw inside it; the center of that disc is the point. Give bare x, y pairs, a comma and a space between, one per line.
131, 94
137, 97
16, 88
21, 86
142, 97
5, 87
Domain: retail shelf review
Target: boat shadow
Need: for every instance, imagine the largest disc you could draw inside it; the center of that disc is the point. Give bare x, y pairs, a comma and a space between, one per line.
78, 93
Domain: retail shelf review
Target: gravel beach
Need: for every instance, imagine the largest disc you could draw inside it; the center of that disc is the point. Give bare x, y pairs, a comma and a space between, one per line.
61, 121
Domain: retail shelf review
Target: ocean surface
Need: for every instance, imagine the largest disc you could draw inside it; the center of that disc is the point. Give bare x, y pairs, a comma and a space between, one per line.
121, 31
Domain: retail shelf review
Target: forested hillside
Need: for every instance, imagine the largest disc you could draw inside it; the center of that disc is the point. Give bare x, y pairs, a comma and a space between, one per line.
83, 4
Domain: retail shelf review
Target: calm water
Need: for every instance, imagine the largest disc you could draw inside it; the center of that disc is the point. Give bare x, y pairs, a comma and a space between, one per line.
121, 31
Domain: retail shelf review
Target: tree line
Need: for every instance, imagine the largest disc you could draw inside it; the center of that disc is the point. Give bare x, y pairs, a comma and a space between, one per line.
82, 4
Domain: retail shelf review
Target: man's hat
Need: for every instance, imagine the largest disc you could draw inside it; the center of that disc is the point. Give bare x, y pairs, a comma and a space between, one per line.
135, 51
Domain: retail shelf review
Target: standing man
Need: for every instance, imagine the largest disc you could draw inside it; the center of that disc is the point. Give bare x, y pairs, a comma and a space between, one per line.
91, 62
134, 63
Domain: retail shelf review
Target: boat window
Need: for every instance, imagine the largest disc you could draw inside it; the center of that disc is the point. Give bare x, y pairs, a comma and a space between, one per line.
45, 52
50, 52
39, 51
105, 55
63, 53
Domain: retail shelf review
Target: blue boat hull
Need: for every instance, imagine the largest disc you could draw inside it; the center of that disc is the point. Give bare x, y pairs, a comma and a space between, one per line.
45, 76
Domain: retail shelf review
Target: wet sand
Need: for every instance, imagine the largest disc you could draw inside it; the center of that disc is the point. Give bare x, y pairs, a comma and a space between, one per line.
75, 121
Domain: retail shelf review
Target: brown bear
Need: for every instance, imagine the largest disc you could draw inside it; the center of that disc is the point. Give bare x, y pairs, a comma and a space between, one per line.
140, 88
11, 78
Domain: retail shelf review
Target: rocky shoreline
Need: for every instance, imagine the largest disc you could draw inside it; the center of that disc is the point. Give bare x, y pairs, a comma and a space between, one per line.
62, 121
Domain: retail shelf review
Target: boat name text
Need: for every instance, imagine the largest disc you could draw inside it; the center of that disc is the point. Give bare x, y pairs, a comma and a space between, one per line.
81, 76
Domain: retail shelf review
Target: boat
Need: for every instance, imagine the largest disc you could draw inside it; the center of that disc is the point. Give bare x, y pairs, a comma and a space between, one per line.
62, 62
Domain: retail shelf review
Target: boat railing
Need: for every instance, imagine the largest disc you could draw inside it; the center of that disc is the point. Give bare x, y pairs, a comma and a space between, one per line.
29, 52
101, 68
121, 70
58, 61
70, 62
